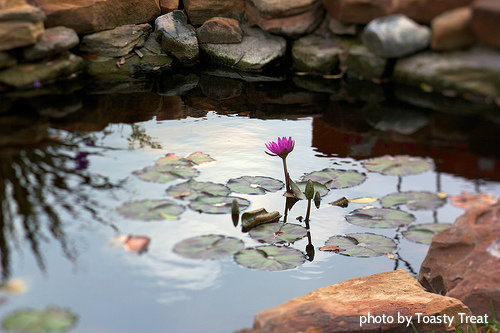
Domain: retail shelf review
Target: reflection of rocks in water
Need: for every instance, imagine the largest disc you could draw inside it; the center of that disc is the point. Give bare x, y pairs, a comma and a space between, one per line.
176, 84
232, 73
316, 83
172, 107
220, 88
22, 130
396, 118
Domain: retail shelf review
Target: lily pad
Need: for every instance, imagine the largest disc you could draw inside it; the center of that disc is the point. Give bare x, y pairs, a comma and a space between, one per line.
172, 159
217, 205
208, 247
275, 233
423, 233
397, 165
413, 200
199, 158
254, 185
151, 210
192, 189
379, 218
270, 258
50, 319
318, 187
335, 179
362, 244
166, 173
256, 217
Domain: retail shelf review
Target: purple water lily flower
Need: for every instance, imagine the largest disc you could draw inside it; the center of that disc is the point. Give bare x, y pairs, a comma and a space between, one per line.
282, 149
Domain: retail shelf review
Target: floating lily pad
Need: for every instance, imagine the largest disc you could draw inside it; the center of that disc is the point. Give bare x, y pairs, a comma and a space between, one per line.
254, 185
362, 244
379, 218
50, 319
274, 233
334, 179
397, 165
208, 247
318, 187
172, 159
151, 210
270, 258
166, 173
423, 233
192, 189
413, 200
256, 217
199, 158
217, 205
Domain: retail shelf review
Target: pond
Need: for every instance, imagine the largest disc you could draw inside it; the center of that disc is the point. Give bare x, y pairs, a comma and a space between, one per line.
69, 161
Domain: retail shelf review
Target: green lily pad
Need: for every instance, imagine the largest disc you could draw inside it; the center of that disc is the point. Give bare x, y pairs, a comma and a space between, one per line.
275, 233
192, 189
172, 159
217, 205
397, 165
50, 319
166, 173
270, 258
208, 247
318, 187
423, 233
362, 244
199, 158
254, 185
256, 217
379, 218
335, 179
413, 200
151, 210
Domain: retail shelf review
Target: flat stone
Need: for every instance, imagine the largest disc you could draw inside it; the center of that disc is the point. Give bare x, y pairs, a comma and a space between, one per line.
486, 21
338, 308
168, 6
116, 42
451, 30
20, 24
7, 60
395, 36
86, 16
462, 261
256, 50
178, 37
316, 54
338, 28
473, 71
29, 74
363, 64
220, 30
199, 11
53, 41
358, 11
423, 11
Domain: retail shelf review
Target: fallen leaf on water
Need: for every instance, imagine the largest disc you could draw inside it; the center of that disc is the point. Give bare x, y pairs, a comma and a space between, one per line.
15, 286
331, 248
363, 200
468, 200
442, 195
136, 244
390, 255
342, 202
368, 207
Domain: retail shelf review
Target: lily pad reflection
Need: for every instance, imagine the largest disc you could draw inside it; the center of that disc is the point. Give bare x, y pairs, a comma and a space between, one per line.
151, 210
423, 233
254, 184
397, 165
335, 179
217, 205
208, 247
362, 244
379, 218
50, 319
413, 200
270, 258
274, 233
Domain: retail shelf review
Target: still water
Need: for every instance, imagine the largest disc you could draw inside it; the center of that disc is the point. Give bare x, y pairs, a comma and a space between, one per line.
67, 165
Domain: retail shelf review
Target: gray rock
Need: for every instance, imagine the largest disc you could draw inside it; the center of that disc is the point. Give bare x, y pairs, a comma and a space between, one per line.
220, 30
116, 42
178, 37
256, 50
316, 54
363, 64
53, 41
395, 36
474, 71
7, 60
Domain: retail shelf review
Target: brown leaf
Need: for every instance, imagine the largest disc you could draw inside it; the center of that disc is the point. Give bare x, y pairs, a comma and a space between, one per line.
332, 248
472, 200
136, 244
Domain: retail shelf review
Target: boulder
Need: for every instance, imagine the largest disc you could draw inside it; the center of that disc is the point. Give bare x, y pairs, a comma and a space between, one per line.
7, 60
358, 11
474, 71
168, 6
220, 30
363, 64
20, 24
86, 16
290, 18
256, 50
53, 41
199, 11
178, 37
116, 42
338, 28
395, 36
486, 21
423, 11
316, 54
341, 307
462, 261
451, 30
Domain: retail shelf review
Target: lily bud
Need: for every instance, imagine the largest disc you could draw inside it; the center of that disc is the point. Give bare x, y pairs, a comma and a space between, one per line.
317, 200
309, 192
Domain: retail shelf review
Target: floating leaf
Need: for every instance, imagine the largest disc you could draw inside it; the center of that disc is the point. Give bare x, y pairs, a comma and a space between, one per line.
397, 165
15, 286
363, 200
217, 205
468, 200
423, 233
256, 217
335, 179
254, 185
199, 158
362, 244
192, 189
151, 209
297, 192
173, 160
208, 247
274, 233
50, 319
331, 248
270, 258
166, 173
342, 202
318, 188
379, 218
413, 200
136, 244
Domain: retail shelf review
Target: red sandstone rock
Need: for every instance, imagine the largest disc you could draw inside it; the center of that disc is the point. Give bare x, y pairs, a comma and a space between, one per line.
463, 261
20, 24
423, 11
451, 30
220, 30
168, 6
486, 21
358, 11
338, 308
85, 16
199, 11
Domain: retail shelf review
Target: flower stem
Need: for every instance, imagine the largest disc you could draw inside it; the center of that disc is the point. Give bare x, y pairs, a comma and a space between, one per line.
287, 177
308, 210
